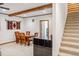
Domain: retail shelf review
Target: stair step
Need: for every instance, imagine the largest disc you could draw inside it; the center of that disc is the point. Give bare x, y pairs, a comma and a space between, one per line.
72, 24
73, 28
72, 20
71, 38
70, 50
71, 31
71, 35
64, 54
70, 44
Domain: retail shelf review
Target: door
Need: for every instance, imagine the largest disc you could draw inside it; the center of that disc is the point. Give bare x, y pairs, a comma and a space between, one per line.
44, 29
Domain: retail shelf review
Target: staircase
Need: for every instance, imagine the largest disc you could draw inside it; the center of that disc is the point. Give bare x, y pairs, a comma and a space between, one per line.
70, 42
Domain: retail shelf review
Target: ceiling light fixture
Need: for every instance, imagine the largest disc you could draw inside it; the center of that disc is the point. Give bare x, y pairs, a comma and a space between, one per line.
4, 10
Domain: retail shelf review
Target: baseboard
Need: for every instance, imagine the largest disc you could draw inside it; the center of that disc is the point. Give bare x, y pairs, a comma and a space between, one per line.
7, 42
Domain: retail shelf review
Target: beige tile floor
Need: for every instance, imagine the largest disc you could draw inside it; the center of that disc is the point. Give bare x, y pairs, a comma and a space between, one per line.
13, 49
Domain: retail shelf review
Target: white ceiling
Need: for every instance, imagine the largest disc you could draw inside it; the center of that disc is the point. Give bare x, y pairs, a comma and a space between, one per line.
15, 7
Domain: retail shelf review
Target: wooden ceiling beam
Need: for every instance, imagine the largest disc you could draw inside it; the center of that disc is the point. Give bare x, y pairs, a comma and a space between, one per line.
32, 9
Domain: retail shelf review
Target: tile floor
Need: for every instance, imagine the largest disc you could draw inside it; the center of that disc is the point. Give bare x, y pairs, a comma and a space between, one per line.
13, 49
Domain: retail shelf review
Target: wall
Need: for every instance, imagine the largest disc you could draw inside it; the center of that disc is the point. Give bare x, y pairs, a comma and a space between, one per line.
59, 19
26, 25
8, 35
35, 26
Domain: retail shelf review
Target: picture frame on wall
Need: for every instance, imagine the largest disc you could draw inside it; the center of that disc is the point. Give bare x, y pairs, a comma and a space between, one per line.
13, 25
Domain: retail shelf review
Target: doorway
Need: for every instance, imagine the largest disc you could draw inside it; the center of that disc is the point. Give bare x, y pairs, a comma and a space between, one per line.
44, 29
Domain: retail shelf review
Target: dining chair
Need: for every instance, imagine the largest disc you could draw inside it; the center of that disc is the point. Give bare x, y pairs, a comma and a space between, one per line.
17, 35
23, 38
27, 32
28, 40
36, 34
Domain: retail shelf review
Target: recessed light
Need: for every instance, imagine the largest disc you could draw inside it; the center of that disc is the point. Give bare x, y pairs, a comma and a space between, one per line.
4, 10
43, 11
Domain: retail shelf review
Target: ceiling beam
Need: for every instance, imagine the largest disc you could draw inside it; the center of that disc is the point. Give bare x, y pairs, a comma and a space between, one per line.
32, 10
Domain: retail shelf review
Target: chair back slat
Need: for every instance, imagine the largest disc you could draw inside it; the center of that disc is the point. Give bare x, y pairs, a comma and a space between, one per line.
27, 32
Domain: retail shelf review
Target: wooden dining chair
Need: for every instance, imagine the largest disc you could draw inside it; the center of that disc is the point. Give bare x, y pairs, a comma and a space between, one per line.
27, 32
28, 40
17, 35
36, 34
23, 39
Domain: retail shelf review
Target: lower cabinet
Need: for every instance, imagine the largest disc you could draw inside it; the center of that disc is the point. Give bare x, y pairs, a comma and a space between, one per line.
42, 47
